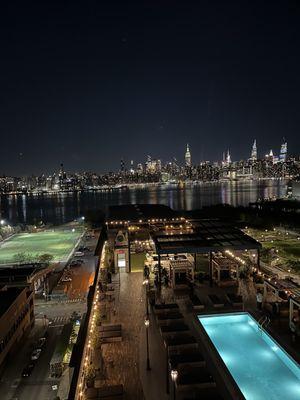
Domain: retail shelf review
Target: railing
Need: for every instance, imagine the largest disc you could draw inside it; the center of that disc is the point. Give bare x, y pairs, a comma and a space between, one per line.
263, 322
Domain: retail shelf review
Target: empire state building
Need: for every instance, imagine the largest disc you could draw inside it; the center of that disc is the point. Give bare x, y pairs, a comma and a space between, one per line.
188, 158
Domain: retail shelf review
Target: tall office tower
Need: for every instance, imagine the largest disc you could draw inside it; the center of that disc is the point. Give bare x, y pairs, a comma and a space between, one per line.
228, 158
270, 156
283, 152
122, 165
188, 157
254, 152
62, 174
131, 167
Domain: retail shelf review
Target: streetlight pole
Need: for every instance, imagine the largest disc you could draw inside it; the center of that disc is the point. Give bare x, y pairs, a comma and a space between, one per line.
174, 376
146, 283
147, 323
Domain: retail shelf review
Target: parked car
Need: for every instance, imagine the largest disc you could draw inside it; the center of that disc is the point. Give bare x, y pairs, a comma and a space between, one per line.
75, 263
79, 254
35, 355
41, 342
83, 248
28, 370
66, 279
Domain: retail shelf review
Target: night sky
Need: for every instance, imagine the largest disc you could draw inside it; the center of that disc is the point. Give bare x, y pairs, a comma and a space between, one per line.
88, 83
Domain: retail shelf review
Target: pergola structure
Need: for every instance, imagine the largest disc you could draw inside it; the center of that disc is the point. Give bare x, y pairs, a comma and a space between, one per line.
224, 270
178, 268
207, 237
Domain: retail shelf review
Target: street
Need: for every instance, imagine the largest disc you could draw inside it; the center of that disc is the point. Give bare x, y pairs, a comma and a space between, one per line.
38, 385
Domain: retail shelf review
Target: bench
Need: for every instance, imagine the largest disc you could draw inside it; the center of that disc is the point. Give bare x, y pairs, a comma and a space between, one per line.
111, 336
105, 328
114, 392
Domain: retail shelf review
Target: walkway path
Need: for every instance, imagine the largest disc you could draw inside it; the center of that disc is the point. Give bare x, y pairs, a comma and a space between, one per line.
121, 359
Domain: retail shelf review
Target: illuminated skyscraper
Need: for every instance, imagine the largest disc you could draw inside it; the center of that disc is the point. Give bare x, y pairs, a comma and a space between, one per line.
228, 158
188, 158
254, 152
283, 152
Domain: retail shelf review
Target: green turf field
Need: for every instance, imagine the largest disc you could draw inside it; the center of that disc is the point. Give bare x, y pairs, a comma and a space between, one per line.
58, 243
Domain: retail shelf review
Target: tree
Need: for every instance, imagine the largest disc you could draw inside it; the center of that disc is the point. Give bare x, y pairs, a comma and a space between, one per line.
45, 258
23, 257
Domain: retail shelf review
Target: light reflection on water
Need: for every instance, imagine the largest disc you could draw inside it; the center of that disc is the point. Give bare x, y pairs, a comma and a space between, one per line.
64, 207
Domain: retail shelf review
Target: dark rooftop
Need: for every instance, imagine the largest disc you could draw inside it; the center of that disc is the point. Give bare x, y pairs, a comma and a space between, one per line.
7, 297
19, 274
207, 235
137, 212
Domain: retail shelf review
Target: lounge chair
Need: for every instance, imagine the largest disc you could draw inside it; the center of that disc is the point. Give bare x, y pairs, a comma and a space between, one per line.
168, 317
195, 378
216, 301
173, 327
180, 341
234, 299
162, 308
195, 358
196, 302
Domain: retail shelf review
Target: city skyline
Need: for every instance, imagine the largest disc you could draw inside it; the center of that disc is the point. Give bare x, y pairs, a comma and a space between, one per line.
126, 163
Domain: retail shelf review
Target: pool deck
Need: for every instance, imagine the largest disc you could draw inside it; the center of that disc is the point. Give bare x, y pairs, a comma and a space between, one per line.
125, 361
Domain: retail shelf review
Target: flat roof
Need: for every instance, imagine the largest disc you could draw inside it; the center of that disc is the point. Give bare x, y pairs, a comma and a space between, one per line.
8, 297
137, 212
207, 235
22, 273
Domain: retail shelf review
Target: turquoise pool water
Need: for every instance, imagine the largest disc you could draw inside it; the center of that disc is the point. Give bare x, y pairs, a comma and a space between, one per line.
260, 367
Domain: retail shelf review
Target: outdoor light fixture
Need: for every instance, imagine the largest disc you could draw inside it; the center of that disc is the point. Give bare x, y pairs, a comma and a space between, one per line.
174, 376
2, 222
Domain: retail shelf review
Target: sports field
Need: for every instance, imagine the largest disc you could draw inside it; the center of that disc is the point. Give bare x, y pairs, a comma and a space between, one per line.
59, 243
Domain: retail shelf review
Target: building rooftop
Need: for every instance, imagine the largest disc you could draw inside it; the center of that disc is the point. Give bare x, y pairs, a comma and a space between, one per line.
7, 298
205, 236
24, 273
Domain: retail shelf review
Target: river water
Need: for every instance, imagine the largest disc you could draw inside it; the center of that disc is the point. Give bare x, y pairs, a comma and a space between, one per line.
64, 207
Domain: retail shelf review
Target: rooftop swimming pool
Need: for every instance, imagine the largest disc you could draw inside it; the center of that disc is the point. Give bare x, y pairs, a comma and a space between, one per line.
259, 366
